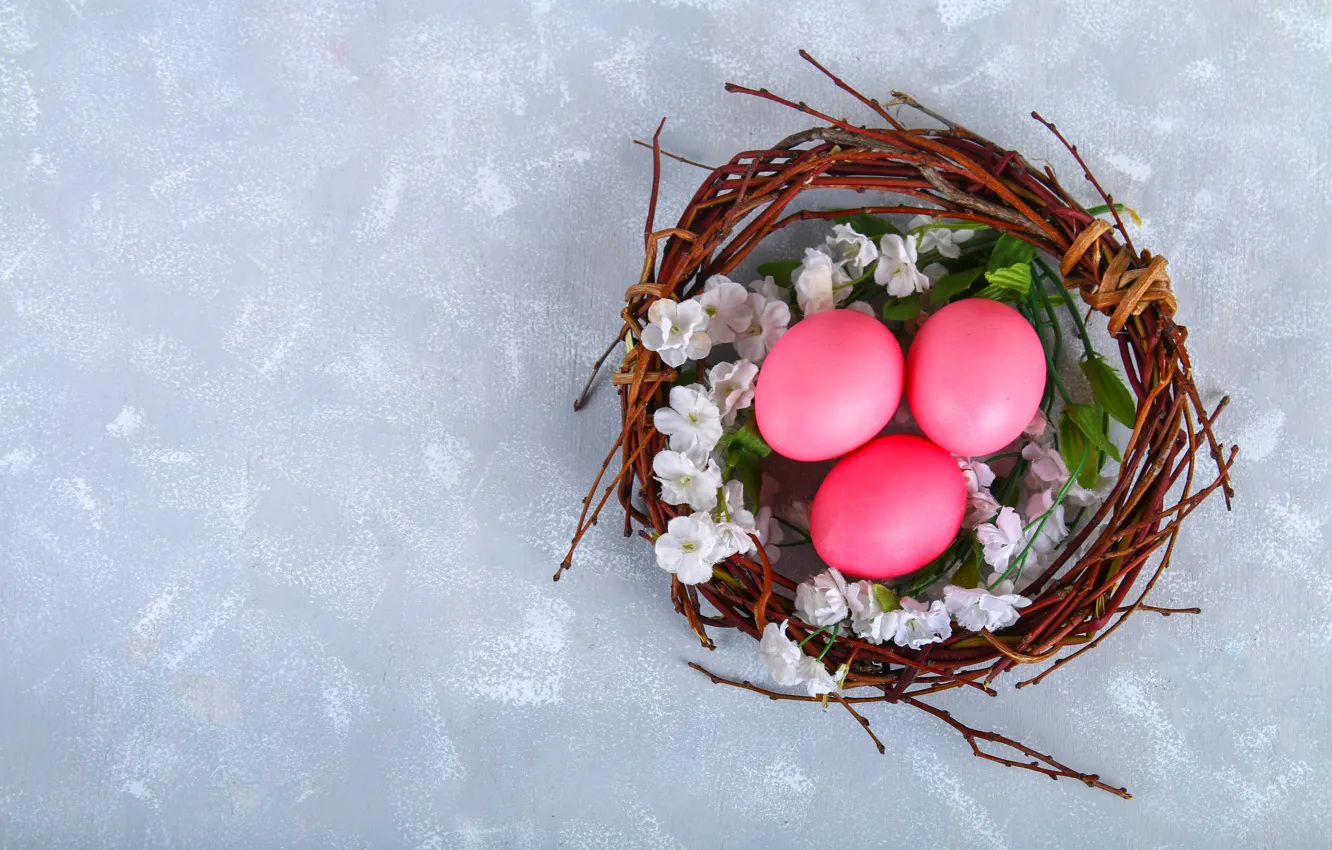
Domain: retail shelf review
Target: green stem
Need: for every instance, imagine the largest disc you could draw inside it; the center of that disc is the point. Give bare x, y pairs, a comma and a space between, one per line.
797, 529
812, 635
831, 640
1047, 273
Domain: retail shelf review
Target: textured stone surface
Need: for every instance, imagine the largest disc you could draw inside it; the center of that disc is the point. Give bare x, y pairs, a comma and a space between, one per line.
294, 297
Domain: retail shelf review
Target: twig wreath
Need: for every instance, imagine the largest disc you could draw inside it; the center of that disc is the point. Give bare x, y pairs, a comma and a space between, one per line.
690, 469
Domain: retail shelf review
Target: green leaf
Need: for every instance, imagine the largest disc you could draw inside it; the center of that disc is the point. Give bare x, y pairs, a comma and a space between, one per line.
749, 472
868, 225
901, 309
1110, 393
951, 284
748, 437
1010, 283
1010, 251
780, 271
1076, 449
968, 575
888, 600
1088, 419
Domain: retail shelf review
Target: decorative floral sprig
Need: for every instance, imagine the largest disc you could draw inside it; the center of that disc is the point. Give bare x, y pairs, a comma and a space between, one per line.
789, 665
683, 482
692, 421
677, 331
733, 522
820, 283
1002, 538
821, 601
687, 548
936, 235
897, 270
727, 305
976, 608
771, 317
851, 251
732, 389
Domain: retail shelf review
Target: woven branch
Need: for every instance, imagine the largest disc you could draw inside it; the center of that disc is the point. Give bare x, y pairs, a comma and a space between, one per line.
953, 173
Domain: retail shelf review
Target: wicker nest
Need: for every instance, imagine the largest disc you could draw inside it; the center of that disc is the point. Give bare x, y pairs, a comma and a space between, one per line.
955, 173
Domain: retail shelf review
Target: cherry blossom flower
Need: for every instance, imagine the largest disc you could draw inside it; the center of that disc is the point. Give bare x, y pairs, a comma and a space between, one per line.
819, 283
821, 601
945, 240
1002, 539
727, 305
732, 389
1037, 426
934, 271
683, 482
862, 307
780, 655
851, 251
916, 624
678, 332
981, 504
897, 266
1047, 471
771, 317
734, 523
977, 608
692, 421
686, 549
770, 533
796, 512
768, 287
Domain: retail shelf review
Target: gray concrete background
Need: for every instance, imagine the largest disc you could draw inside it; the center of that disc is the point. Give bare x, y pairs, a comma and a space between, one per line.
294, 297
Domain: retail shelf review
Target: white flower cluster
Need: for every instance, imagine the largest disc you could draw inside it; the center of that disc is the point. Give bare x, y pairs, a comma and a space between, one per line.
828, 273
724, 313
878, 616
721, 525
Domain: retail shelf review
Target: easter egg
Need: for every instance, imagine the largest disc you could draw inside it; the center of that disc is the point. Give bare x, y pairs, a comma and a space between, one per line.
888, 508
828, 385
975, 376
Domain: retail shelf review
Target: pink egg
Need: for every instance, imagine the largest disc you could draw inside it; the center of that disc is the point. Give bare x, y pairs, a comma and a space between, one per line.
975, 376
828, 385
888, 508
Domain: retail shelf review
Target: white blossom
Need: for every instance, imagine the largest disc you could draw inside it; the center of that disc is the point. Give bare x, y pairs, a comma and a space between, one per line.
862, 307
815, 677
678, 332
683, 482
768, 287
770, 533
946, 241
977, 608
727, 305
820, 283
1002, 539
780, 655
686, 548
868, 619
897, 266
1051, 533
916, 624
850, 250
821, 601
734, 523
769, 324
732, 389
692, 421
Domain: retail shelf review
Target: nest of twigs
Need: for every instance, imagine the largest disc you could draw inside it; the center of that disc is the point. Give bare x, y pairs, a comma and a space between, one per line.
943, 172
